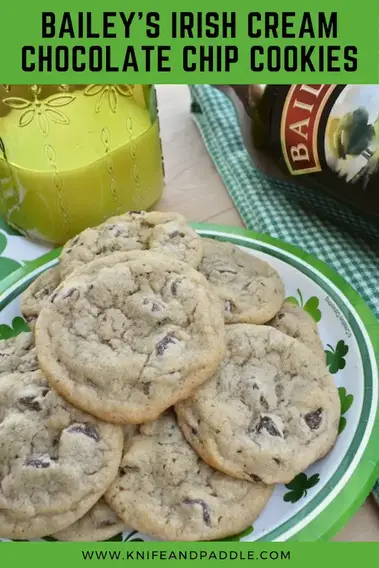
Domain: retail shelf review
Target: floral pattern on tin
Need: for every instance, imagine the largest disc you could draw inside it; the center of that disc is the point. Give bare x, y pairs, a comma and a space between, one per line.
109, 93
43, 111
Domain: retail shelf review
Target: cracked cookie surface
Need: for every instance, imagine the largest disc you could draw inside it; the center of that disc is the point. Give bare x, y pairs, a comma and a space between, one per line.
18, 354
55, 461
165, 489
251, 289
100, 523
38, 293
140, 230
297, 323
270, 410
130, 334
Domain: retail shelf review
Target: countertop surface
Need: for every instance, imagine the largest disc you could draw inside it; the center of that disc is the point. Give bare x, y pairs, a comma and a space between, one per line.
195, 189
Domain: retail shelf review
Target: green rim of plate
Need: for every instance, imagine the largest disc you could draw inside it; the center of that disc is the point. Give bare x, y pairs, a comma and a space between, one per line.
355, 476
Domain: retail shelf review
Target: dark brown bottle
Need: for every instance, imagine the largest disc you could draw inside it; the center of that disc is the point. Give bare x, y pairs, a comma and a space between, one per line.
324, 139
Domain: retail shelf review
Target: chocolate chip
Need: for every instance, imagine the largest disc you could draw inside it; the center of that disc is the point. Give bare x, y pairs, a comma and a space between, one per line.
277, 461
126, 469
42, 463
194, 431
53, 296
87, 430
280, 316
30, 402
107, 523
263, 402
204, 506
155, 307
255, 386
229, 306
44, 292
313, 419
146, 388
174, 234
174, 287
229, 272
70, 293
255, 478
117, 230
45, 391
161, 346
279, 390
267, 424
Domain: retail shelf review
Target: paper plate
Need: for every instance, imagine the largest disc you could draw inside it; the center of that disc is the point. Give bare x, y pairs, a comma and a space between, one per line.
318, 502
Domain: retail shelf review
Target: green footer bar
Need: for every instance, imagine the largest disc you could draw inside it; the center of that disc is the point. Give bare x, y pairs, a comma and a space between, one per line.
71, 555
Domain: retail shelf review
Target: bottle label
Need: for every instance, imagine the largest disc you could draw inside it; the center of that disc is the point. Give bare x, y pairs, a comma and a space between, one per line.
325, 128
299, 127
351, 141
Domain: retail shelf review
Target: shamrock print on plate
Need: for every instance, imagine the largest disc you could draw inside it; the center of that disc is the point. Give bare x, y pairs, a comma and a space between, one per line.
304, 509
7, 265
18, 325
299, 486
336, 358
15, 250
311, 306
346, 402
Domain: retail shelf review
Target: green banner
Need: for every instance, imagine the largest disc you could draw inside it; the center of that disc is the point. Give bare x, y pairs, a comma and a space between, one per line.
46, 555
189, 42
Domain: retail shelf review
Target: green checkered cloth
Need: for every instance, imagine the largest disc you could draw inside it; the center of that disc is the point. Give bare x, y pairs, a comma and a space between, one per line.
271, 207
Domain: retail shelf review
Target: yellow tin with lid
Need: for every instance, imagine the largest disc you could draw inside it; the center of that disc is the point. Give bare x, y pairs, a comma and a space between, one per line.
74, 155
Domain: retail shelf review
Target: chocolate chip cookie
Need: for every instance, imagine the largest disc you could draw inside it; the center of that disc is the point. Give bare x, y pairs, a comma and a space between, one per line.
252, 291
38, 293
295, 322
135, 230
130, 334
100, 523
55, 461
18, 354
165, 489
270, 411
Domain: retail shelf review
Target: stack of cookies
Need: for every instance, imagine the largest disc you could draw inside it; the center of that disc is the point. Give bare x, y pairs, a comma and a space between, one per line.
165, 386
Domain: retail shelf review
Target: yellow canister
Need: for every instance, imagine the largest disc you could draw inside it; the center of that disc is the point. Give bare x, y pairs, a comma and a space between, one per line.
74, 155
